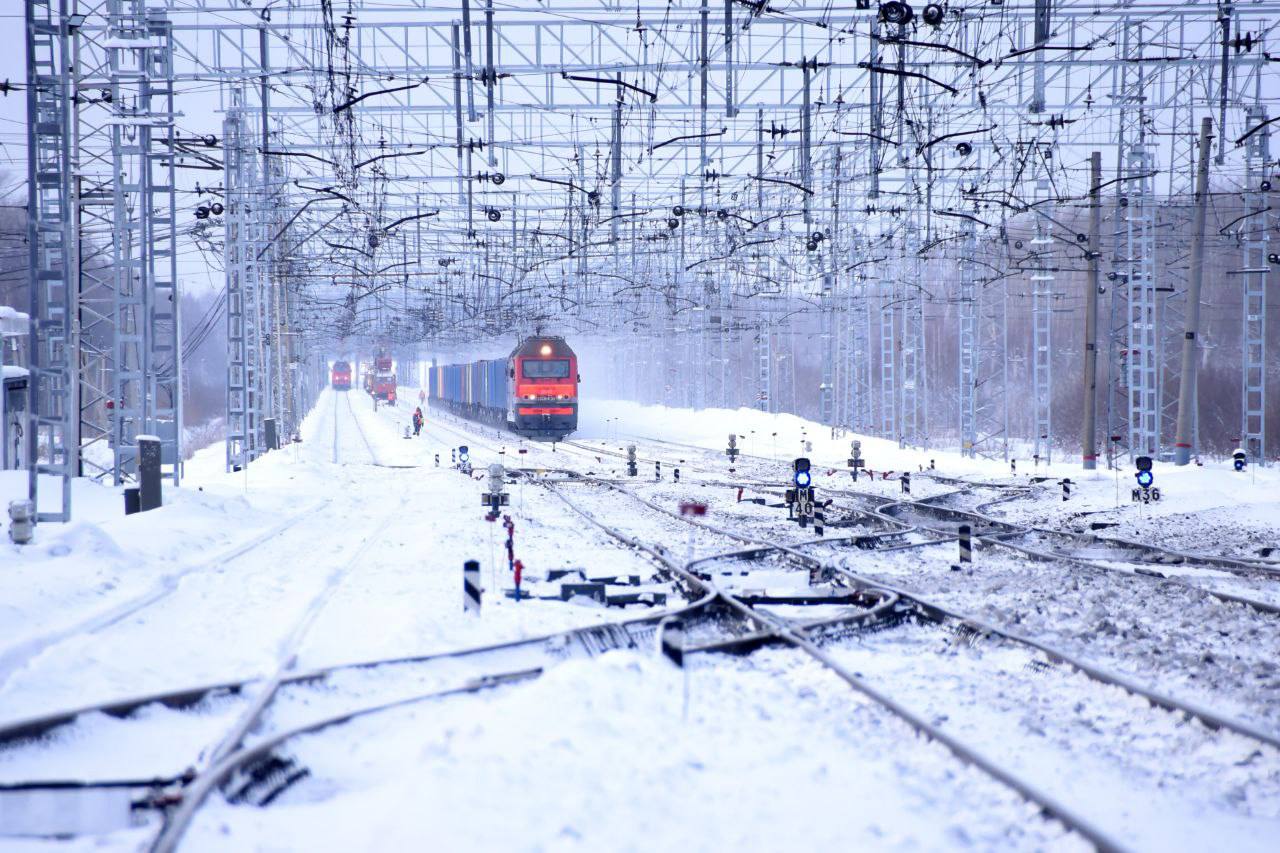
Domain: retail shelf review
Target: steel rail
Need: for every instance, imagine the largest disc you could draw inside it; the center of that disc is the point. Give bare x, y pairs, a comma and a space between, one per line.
203, 785
938, 612
592, 637
363, 437
1002, 540
16, 656
1243, 567
798, 639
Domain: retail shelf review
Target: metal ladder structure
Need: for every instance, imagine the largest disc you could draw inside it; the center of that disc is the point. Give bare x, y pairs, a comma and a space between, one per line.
888, 357
914, 383
1042, 298
146, 358
968, 343
857, 359
244, 393
51, 244
764, 363
1137, 210
1255, 237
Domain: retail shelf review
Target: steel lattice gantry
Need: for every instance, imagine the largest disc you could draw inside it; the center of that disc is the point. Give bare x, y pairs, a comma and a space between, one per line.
106, 356
552, 146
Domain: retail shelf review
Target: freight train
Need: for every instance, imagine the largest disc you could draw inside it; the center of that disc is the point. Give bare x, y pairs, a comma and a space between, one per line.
533, 392
340, 376
380, 380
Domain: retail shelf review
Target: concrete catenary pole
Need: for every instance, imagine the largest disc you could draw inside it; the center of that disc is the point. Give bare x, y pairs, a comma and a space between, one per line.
1089, 445
1190, 349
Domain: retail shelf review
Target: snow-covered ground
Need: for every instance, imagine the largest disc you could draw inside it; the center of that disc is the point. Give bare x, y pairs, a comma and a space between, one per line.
349, 545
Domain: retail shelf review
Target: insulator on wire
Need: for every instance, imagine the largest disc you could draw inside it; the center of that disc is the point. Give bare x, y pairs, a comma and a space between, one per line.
895, 12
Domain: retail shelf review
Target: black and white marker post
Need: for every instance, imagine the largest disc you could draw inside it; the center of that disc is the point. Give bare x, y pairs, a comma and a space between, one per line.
471, 587
906, 482
671, 645
966, 544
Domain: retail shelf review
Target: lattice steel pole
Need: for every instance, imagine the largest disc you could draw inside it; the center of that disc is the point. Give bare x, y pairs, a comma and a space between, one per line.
888, 357
146, 356
1042, 320
50, 244
968, 361
1255, 236
244, 397
1137, 204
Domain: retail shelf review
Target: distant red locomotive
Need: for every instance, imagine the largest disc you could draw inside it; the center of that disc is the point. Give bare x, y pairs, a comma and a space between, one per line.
340, 376
533, 392
380, 382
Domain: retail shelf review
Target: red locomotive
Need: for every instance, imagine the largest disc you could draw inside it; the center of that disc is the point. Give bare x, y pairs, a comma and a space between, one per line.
543, 388
340, 376
380, 382
533, 392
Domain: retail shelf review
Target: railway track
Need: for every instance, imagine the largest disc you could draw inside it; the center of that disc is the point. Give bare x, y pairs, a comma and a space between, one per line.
1144, 560
1246, 567
22, 654
771, 628
18, 656
722, 620
236, 765
915, 609
359, 430
931, 610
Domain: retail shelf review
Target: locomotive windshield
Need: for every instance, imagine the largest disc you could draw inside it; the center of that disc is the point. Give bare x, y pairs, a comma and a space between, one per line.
551, 368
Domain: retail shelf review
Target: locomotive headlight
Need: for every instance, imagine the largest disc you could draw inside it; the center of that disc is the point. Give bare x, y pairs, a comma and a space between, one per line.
546, 349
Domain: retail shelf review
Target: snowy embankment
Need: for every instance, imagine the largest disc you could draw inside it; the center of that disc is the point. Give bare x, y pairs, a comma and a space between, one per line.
206, 587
